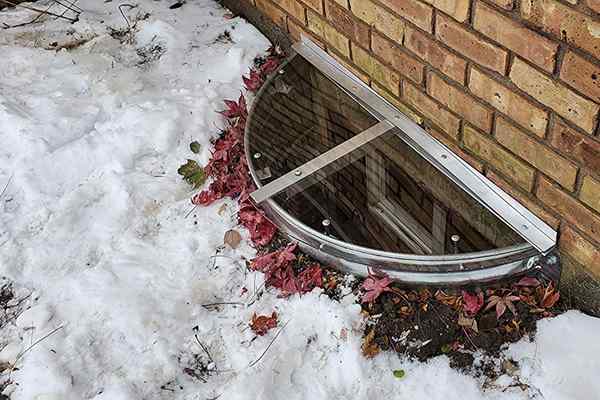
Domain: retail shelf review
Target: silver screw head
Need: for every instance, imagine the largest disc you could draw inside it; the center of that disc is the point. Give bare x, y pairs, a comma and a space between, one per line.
257, 156
326, 223
455, 238
298, 173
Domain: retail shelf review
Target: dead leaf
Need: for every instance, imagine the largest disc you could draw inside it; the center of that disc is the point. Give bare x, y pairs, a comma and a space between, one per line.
222, 209
369, 348
232, 238
261, 324
466, 322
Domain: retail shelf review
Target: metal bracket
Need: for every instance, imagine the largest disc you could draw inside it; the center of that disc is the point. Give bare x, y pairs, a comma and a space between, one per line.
319, 162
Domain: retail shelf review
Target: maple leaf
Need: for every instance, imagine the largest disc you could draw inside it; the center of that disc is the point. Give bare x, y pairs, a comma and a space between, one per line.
254, 81
261, 324
472, 303
204, 198
374, 286
547, 297
310, 278
261, 229
270, 262
235, 109
269, 66
502, 303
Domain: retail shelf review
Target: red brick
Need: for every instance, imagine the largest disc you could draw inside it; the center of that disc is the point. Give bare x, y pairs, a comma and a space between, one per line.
297, 30
430, 109
590, 193
506, 4
508, 102
569, 208
398, 59
525, 199
435, 54
516, 37
460, 102
457, 9
380, 18
376, 69
324, 30
455, 148
581, 249
273, 12
561, 99
564, 22
292, 7
348, 24
470, 45
582, 75
413, 11
316, 5
508, 165
582, 148
537, 154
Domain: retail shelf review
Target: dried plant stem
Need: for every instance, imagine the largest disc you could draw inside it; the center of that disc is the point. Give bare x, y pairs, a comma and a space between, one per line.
21, 354
253, 363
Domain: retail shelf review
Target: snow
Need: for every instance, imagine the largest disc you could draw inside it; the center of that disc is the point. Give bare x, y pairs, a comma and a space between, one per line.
95, 235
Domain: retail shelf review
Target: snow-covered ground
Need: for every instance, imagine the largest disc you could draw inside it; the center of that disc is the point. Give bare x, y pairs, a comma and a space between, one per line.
95, 235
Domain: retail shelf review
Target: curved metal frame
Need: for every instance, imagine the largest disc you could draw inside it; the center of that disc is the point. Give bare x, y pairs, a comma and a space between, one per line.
423, 269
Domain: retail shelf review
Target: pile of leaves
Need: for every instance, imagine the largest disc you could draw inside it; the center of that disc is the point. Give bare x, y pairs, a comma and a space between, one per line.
427, 322
230, 178
227, 166
279, 271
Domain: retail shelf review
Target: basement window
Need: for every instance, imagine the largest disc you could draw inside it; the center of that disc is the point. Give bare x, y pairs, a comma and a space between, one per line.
359, 185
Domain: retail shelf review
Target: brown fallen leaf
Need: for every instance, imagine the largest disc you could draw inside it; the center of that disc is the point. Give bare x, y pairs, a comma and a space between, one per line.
232, 238
466, 322
261, 324
222, 209
369, 348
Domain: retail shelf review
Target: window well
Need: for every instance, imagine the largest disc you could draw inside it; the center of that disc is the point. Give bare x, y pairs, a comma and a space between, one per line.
359, 185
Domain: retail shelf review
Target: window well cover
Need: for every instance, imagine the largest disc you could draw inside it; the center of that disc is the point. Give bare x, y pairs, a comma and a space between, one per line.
341, 161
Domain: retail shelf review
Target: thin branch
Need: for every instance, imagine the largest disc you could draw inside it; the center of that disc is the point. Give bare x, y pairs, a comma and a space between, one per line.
10, 3
252, 364
206, 351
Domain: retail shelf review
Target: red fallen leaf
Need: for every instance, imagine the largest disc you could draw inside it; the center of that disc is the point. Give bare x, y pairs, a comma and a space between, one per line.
270, 262
254, 81
472, 303
374, 286
528, 282
502, 303
204, 198
310, 278
262, 323
270, 65
548, 296
235, 109
261, 229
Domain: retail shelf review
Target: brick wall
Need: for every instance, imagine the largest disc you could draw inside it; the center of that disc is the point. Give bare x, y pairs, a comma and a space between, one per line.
513, 86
